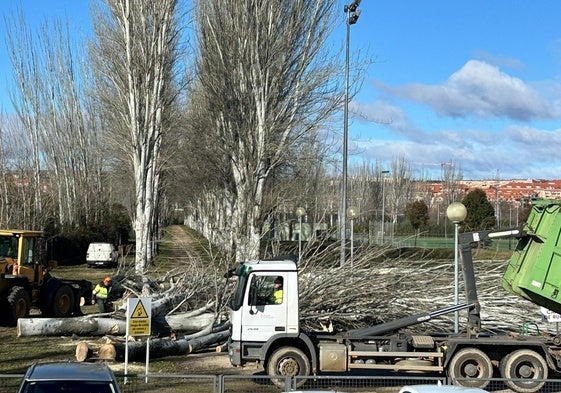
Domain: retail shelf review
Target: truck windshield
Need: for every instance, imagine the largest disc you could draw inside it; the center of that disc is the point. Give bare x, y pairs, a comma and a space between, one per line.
237, 300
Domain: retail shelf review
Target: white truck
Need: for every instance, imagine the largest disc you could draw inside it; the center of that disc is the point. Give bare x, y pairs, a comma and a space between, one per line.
102, 254
269, 332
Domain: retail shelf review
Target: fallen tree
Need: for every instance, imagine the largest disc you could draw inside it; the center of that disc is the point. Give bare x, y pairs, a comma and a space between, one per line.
159, 347
92, 325
81, 326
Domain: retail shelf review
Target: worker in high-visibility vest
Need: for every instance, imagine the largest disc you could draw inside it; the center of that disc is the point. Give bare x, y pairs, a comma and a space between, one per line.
277, 292
101, 294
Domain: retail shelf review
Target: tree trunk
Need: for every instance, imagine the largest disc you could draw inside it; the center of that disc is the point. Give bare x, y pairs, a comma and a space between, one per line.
181, 323
97, 326
82, 326
162, 347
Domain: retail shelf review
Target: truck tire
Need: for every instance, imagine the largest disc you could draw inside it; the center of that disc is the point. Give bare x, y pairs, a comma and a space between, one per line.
288, 362
472, 364
19, 303
63, 302
524, 364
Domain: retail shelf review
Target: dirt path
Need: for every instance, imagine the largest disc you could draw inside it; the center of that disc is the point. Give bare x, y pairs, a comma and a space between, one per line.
181, 242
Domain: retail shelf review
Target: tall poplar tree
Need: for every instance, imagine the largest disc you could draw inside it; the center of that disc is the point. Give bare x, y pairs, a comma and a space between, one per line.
135, 58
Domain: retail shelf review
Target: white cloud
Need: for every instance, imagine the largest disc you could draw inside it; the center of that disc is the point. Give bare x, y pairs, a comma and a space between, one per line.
478, 99
480, 89
515, 152
389, 116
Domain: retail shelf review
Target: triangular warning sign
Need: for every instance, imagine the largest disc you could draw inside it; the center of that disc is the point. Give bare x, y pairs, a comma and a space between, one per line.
139, 311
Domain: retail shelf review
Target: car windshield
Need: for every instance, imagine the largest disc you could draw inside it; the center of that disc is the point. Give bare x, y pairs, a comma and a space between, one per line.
69, 387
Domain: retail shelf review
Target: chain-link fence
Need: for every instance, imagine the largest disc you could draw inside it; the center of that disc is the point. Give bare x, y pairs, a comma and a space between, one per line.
260, 383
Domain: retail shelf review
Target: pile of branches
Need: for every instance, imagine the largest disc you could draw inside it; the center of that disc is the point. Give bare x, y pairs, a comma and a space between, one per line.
373, 289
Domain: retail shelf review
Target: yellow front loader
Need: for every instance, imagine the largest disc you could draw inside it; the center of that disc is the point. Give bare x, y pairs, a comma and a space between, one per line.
25, 280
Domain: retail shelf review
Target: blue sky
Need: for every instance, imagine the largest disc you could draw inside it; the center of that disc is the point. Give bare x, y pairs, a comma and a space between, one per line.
477, 83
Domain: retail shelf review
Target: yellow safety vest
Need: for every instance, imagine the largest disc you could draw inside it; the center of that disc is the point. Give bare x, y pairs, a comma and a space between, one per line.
277, 296
101, 291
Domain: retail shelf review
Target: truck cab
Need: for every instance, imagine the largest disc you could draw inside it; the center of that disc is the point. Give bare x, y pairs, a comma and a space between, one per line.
258, 316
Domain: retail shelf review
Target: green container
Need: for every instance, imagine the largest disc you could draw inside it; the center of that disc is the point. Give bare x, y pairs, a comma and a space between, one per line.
534, 270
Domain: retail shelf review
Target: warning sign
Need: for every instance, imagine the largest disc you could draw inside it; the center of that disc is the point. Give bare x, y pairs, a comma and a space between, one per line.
139, 312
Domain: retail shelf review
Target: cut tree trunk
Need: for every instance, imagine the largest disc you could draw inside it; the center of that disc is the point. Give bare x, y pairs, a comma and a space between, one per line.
97, 326
82, 326
188, 323
162, 347
84, 352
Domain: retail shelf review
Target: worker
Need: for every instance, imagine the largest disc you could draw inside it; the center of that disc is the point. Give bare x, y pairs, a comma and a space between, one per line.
277, 292
101, 294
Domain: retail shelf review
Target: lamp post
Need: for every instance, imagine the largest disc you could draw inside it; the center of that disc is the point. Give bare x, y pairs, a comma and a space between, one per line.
352, 213
456, 212
384, 173
352, 15
300, 212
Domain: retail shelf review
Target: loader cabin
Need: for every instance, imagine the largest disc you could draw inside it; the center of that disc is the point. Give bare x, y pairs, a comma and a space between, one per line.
20, 251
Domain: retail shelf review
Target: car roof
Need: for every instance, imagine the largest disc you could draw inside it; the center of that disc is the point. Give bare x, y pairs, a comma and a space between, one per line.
69, 371
429, 388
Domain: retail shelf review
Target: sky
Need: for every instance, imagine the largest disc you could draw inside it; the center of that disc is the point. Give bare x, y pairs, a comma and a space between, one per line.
472, 83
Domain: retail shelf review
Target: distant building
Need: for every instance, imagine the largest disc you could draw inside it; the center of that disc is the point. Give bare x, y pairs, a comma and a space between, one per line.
510, 191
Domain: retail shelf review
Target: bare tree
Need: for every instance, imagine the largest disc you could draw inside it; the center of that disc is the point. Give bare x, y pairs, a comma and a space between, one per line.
267, 84
399, 190
59, 130
26, 95
17, 190
366, 186
134, 56
451, 176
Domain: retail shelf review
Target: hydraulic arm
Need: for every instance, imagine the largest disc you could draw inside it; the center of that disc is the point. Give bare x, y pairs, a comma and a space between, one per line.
466, 241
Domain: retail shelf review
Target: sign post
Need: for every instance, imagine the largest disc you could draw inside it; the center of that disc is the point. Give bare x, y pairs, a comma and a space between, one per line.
139, 315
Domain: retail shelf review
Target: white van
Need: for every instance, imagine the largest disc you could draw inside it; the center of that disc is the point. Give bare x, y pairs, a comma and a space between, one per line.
101, 254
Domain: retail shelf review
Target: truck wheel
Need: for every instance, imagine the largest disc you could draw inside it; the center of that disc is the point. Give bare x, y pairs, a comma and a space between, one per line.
288, 362
18, 305
524, 364
473, 365
63, 302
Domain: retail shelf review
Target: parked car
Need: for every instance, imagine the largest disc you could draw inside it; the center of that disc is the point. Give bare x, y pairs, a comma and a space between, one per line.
429, 388
102, 254
69, 377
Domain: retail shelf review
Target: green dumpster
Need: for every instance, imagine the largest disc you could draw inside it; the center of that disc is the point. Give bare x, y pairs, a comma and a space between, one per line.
534, 270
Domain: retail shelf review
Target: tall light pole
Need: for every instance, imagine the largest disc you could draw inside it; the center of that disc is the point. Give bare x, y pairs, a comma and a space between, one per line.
384, 173
456, 212
300, 212
352, 15
352, 213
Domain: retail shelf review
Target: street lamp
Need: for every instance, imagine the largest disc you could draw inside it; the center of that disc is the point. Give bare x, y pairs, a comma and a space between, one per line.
384, 173
456, 212
300, 212
352, 213
352, 15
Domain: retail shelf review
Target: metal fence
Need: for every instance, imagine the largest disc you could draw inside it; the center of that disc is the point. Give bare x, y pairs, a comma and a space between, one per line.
176, 383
